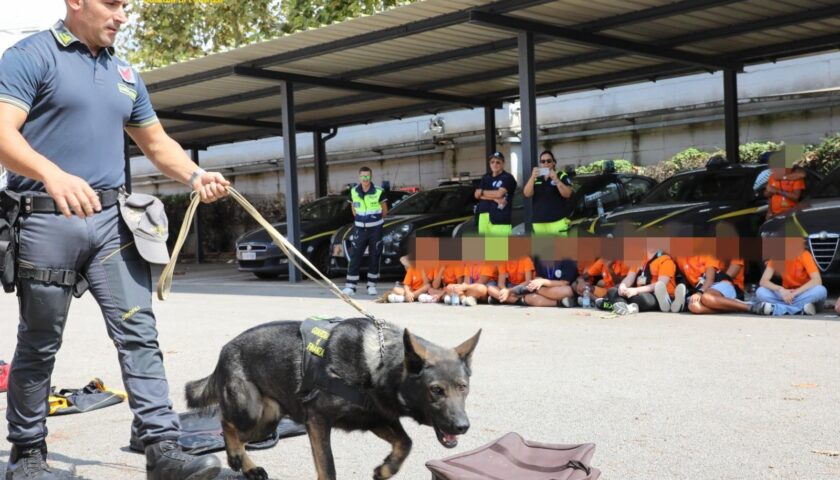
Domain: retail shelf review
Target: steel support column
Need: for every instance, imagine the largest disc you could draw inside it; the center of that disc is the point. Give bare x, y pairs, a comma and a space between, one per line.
127, 158
528, 117
199, 246
319, 151
489, 131
290, 167
730, 114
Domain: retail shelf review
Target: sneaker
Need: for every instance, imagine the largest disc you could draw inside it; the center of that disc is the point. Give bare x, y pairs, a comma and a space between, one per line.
372, 290
348, 291
603, 304
447, 300
566, 302
660, 291
679, 299
621, 308
809, 309
492, 300
394, 298
29, 463
469, 302
519, 290
761, 308
166, 461
454, 300
425, 298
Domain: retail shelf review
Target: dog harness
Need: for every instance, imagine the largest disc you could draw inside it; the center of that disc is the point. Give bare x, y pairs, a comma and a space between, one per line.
315, 333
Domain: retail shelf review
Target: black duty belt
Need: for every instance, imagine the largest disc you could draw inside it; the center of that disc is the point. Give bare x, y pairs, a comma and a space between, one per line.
45, 204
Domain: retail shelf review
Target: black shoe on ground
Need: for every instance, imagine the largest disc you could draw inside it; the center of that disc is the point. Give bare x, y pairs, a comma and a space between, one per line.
492, 301
166, 461
29, 463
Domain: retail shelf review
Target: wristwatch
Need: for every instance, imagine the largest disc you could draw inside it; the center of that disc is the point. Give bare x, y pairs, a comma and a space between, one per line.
195, 176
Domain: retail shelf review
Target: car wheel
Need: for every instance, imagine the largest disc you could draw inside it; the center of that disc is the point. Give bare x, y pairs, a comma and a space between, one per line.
321, 260
265, 276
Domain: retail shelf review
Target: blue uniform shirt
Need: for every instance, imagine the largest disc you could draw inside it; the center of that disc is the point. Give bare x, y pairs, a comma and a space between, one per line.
77, 105
549, 205
498, 216
565, 269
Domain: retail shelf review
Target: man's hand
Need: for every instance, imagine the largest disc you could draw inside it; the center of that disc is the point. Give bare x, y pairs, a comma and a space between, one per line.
552, 174
505, 293
211, 186
787, 295
622, 289
536, 284
535, 172
409, 295
72, 195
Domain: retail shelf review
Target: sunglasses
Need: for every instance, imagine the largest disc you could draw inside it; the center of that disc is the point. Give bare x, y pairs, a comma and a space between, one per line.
364, 177
546, 161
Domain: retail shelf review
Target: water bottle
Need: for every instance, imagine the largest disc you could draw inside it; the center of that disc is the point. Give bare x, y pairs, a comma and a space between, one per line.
586, 302
752, 291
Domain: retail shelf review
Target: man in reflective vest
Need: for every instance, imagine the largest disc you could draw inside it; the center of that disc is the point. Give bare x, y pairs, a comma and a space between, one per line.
369, 207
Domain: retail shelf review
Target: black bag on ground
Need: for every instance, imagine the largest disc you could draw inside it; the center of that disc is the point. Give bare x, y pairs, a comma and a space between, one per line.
92, 396
201, 432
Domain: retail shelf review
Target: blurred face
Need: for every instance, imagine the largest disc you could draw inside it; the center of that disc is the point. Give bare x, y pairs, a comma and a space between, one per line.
96, 22
497, 165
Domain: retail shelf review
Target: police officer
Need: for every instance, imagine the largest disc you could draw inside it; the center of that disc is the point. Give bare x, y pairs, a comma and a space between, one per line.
369, 206
550, 192
495, 198
65, 101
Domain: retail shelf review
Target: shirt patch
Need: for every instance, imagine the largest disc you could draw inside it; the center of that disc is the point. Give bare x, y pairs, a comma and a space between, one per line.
123, 88
126, 73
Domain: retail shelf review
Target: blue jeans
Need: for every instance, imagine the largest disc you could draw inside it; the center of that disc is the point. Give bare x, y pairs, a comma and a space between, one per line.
815, 295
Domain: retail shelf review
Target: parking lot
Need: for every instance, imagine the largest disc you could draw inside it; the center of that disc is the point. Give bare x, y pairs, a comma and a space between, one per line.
663, 396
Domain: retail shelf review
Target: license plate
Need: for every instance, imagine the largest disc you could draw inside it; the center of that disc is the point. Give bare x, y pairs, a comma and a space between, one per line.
248, 255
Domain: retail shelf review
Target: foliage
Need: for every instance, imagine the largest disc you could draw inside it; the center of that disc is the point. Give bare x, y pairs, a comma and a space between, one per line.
824, 157
161, 32
621, 166
749, 152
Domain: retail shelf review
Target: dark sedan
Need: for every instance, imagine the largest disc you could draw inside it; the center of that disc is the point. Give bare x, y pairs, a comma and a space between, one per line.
818, 219
319, 220
593, 195
430, 213
693, 203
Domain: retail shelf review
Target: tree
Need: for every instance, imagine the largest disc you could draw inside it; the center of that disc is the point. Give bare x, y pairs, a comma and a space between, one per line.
161, 33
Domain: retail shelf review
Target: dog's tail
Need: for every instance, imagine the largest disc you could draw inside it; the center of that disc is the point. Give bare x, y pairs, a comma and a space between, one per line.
202, 393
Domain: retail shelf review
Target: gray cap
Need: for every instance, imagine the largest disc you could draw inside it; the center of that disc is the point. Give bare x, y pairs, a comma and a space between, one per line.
147, 221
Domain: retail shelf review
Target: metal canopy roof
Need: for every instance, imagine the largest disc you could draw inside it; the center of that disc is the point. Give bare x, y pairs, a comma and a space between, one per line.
436, 55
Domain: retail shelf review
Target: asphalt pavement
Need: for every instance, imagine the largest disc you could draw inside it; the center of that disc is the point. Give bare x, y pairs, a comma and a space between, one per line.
663, 396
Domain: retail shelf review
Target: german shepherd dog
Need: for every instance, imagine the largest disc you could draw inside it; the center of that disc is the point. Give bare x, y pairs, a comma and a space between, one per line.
257, 380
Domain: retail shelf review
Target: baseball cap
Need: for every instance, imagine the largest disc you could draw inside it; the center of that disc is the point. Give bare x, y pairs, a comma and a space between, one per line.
496, 155
145, 217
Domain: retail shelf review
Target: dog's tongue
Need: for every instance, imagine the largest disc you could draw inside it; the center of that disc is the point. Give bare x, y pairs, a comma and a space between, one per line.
449, 438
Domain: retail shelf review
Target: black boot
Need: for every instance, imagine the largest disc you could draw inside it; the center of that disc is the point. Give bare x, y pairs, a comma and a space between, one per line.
29, 463
166, 461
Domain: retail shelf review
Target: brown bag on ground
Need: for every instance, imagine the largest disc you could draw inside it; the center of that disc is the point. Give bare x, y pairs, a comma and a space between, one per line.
514, 458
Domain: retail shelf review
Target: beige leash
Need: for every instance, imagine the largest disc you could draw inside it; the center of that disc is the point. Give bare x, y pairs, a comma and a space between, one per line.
292, 253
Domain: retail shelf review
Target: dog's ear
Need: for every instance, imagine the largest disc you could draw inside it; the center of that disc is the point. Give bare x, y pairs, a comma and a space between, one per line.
465, 349
415, 353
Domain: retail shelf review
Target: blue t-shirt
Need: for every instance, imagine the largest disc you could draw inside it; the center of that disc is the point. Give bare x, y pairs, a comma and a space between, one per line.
498, 216
558, 270
549, 205
77, 105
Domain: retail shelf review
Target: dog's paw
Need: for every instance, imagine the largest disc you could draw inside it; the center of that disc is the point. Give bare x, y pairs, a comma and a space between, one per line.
256, 473
383, 472
235, 463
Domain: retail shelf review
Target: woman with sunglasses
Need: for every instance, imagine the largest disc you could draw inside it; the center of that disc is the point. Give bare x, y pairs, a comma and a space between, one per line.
550, 192
495, 198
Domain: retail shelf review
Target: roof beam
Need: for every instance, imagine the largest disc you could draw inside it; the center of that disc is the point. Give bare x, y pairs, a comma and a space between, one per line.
362, 87
597, 40
238, 122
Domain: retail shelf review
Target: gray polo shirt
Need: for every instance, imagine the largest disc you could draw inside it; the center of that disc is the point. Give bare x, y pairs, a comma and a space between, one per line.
77, 105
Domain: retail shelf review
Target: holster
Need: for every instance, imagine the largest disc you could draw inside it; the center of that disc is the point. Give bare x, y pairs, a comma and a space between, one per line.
9, 213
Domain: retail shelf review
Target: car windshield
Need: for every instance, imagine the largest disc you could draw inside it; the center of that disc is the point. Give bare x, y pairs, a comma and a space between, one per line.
443, 200
324, 209
830, 187
707, 186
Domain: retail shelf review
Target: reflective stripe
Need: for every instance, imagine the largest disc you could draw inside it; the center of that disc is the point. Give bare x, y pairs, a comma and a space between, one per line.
352, 278
373, 276
370, 224
371, 284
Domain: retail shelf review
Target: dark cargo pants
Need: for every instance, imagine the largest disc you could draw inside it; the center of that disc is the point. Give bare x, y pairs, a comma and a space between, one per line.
102, 249
365, 238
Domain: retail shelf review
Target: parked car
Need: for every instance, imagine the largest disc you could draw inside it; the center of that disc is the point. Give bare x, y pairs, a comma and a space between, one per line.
818, 219
430, 213
319, 219
692, 203
592, 194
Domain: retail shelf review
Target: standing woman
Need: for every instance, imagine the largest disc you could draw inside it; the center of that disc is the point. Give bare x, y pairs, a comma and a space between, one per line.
550, 192
495, 199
